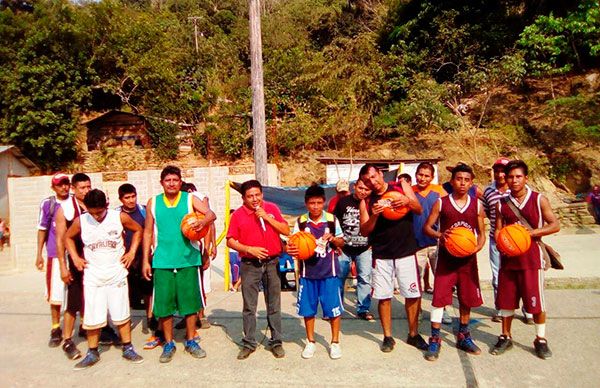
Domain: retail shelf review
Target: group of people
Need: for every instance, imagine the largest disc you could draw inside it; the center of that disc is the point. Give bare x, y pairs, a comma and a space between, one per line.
389, 254
97, 257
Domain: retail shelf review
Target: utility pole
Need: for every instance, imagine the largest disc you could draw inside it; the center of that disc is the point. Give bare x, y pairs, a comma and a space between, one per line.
258, 96
194, 20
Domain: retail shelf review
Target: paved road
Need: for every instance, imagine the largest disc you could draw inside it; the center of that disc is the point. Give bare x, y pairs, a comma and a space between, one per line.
574, 324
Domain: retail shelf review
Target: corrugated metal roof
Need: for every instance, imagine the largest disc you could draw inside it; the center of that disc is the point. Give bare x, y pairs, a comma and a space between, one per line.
19, 155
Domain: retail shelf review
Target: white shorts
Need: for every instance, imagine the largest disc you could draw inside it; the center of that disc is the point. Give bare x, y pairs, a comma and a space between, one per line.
102, 300
424, 255
56, 289
404, 269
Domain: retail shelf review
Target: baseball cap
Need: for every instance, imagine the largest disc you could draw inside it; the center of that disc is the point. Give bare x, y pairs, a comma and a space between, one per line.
502, 161
342, 185
59, 178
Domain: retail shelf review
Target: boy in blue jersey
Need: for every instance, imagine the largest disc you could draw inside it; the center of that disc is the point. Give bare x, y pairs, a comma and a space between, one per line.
318, 275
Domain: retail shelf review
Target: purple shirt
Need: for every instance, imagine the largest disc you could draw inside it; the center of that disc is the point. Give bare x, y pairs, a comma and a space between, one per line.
47, 222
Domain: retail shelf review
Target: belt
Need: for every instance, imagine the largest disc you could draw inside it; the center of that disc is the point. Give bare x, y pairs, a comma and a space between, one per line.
257, 260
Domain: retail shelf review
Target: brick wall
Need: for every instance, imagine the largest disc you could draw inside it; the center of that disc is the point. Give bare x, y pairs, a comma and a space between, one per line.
25, 195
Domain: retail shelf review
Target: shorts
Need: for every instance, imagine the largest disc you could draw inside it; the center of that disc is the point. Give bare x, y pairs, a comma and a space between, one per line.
101, 300
56, 289
177, 290
75, 296
404, 269
527, 284
325, 291
424, 255
467, 288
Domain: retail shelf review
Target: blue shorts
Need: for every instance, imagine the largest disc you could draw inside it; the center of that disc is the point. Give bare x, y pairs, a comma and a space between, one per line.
326, 291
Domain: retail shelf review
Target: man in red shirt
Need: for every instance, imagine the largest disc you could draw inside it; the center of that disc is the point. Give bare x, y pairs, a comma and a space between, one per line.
254, 232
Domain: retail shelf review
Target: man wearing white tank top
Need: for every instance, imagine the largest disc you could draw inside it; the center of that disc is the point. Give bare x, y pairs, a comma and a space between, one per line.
105, 272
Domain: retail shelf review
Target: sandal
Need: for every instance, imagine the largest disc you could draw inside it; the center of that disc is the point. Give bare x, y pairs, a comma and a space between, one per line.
367, 316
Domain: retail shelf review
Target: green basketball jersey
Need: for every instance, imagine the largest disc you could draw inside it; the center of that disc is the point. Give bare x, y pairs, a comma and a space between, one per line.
171, 248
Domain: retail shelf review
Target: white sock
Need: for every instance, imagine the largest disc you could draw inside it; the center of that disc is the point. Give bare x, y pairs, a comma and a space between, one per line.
540, 330
507, 313
436, 314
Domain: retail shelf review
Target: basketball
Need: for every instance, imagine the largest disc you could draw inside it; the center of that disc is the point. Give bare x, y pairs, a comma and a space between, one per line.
513, 240
306, 244
389, 212
188, 231
460, 242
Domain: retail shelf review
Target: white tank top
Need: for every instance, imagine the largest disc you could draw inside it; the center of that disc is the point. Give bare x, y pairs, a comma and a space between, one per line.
103, 249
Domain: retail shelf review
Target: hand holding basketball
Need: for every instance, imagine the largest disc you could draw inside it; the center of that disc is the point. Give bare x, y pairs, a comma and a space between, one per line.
193, 227
514, 240
302, 245
395, 205
460, 241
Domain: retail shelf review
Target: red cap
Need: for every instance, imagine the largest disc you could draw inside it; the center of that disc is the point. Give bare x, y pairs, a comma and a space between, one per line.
59, 178
502, 161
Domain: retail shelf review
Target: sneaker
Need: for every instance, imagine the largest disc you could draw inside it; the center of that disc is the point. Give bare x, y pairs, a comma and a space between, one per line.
153, 342
541, 348
181, 324
433, 350
465, 342
417, 341
194, 349
55, 337
245, 353
504, 343
82, 332
169, 350
335, 351
309, 350
278, 351
527, 318
108, 337
366, 316
388, 344
130, 355
92, 357
446, 318
71, 350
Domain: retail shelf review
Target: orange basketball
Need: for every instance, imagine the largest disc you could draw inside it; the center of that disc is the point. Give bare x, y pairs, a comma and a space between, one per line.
188, 231
513, 240
460, 242
391, 213
306, 244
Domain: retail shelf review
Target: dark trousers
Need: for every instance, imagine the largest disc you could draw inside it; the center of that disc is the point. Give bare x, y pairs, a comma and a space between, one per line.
252, 272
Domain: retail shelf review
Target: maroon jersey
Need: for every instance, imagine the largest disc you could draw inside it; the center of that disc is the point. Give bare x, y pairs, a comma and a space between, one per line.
531, 210
451, 216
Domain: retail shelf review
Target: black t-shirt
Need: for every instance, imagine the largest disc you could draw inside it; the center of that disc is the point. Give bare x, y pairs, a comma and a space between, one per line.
347, 211
392, 239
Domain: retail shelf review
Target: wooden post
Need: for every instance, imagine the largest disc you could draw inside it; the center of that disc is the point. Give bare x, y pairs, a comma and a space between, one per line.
258, 97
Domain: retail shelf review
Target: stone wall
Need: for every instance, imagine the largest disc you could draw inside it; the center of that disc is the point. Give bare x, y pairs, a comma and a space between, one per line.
25, 195
575, 215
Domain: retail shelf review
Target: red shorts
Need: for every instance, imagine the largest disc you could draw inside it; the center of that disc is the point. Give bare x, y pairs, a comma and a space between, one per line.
467, 285
526, 284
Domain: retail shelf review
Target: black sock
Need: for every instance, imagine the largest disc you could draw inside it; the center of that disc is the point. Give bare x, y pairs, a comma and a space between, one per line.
126, 344
463, 328
95, 350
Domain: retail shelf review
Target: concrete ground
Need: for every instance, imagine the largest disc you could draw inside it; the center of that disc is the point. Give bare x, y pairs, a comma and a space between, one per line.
572, 331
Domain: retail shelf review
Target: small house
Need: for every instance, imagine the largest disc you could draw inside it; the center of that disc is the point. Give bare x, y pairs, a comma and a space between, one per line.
117, 129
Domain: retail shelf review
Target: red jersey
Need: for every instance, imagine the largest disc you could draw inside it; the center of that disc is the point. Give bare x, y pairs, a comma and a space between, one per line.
451, 216
531, 210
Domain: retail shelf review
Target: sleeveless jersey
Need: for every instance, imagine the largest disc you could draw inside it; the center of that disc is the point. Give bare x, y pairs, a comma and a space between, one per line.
103, 248
171, 248
427, 198
451, 215
324, 264
392, 239
72, 210
531, 210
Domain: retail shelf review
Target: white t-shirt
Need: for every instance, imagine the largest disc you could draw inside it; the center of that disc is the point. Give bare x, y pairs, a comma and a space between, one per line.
103, 249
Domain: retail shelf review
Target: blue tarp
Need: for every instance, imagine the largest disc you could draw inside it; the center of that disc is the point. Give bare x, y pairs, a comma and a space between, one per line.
291, 199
